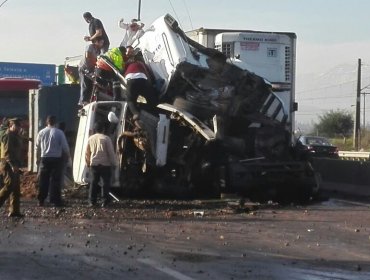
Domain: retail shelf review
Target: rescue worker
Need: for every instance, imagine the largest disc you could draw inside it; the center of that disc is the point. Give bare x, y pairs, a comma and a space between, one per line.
96, 29
86, 69
10, 162
100, 158
133, 31
117, 56
139, 82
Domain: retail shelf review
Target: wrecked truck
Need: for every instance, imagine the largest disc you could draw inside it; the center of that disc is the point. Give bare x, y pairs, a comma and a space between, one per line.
217, 129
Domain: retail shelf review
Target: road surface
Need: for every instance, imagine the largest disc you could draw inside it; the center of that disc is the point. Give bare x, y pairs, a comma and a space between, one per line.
184, 240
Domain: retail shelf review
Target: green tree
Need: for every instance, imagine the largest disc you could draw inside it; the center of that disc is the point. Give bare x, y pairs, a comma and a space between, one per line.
334, 123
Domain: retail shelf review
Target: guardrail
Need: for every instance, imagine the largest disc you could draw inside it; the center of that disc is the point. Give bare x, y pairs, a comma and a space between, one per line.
358, 156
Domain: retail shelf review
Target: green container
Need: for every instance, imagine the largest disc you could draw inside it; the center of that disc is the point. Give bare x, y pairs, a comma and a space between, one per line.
61, 75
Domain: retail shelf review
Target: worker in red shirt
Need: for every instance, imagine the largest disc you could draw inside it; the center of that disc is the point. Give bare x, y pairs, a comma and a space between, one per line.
139, 82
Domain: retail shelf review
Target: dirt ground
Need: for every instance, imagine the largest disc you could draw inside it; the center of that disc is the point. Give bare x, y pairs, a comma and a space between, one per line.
28, 185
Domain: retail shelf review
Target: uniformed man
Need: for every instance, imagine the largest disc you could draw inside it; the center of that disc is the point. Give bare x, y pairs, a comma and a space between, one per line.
3, 128
10, 162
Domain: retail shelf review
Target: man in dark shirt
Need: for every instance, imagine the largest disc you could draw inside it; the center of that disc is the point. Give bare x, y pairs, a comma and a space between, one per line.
96, 29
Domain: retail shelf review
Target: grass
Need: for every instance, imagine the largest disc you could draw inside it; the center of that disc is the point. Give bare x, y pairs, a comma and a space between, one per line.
346, 144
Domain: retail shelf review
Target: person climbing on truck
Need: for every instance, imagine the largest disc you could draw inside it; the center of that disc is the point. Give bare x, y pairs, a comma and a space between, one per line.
96, 29
139, 82
105, 73
86, 69
134, 31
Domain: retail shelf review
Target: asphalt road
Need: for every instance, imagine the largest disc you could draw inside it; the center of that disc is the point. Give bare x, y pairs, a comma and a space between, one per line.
187, 240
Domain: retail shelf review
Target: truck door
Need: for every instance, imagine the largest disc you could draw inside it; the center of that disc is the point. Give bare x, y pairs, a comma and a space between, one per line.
91, 113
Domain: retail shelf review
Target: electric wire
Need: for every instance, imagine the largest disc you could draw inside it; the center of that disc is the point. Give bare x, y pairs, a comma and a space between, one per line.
173, 9
187, 11
325, 97
333, 86
326, 87
3, 3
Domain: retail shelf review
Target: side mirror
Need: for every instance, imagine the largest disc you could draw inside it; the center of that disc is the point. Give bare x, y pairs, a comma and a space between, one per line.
112, 117
81, 113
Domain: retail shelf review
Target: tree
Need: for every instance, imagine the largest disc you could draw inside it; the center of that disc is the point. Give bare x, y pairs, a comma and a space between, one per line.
333, 123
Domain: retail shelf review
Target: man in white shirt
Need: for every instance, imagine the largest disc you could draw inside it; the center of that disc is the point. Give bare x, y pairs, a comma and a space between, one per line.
51, 148
100, 157
134, 31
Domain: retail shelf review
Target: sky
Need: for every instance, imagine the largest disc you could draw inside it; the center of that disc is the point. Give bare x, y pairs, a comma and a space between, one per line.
331, 36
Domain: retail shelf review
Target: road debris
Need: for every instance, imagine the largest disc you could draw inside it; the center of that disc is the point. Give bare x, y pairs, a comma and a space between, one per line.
198, 214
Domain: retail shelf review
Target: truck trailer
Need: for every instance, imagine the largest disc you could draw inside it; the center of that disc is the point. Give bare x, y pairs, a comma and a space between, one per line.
271, 55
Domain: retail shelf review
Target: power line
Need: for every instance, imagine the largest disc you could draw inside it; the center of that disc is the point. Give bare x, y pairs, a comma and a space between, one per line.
3, 3
173, 9
324, 97
187, 11
306, 114
331, 86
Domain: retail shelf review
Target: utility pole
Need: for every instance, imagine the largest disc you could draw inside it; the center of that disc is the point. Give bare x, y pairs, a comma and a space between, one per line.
139, 11
356, 130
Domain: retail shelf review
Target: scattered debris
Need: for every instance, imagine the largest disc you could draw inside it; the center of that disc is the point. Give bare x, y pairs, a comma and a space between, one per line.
198, 214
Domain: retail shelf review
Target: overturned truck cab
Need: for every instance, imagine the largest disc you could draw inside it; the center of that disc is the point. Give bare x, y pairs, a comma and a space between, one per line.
218, 129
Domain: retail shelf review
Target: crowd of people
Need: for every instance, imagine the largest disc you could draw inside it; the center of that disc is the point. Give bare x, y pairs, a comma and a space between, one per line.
52, 150
52, 156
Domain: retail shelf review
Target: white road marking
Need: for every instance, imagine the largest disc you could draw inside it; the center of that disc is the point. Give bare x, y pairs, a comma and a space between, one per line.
175, 274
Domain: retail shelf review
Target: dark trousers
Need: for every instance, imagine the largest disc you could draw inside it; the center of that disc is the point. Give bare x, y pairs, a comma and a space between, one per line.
98, 172
86, 85
136, 87
50, 175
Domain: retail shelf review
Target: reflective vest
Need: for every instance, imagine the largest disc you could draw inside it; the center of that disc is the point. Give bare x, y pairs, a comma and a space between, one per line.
115, 56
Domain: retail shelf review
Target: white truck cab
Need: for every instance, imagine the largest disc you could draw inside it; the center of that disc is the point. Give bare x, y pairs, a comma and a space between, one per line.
89, 114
